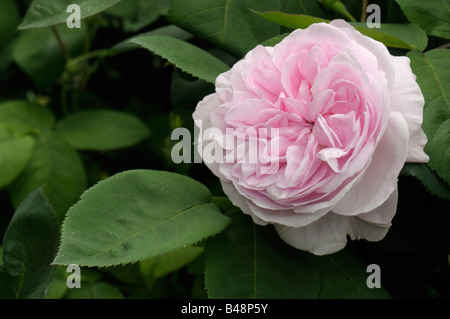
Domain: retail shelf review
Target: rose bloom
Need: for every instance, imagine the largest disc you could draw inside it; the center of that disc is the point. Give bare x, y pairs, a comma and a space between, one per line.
348, 116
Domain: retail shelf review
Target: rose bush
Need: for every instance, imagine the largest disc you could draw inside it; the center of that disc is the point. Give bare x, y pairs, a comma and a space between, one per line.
348, 116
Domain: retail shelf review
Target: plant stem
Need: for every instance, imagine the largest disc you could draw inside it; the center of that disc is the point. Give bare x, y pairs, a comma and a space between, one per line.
365, 3
445, 46
61, 43
101, 53
64, 106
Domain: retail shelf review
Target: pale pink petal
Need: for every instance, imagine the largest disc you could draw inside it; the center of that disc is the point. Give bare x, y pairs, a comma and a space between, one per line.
206, 107
367, 49
373, 226
250, 112
360, 229
383, 214
407, 99
380, 178
239, 201
325, 236
223, 86
314, 63
263, 216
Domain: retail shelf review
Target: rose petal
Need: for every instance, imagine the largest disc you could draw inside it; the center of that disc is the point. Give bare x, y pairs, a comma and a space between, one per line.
380, 178
239, 201
373, 226
262, 216
371, 48
383, 214
325, 236
407, 99
361, 229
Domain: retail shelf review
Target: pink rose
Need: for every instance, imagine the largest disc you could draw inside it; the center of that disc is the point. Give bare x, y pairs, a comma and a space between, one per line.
344, 117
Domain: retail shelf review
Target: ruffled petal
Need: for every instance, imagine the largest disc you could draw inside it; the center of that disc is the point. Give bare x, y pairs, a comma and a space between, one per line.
328, 234
325, 236
263, 216
380, 178
239, 201
407, 99
383, 214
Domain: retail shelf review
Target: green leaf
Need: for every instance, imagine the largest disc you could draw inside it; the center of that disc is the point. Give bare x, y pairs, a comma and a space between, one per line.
39, 55
223, 203
230, 25
292, 21
338, 7
102, 130
160, 266
57, 286
188, 93
30, 245
428, 179
9, 19
250, 261
433, 15
227, 24
137, 14
393, 35
6, 55
15, 153
275, 40
6, 291
95, 290
312, 8
433, 76
124, 9
129, 274
184, 55
24, 117
342, 275
170, 30
136, 215
56, 164
93, 287
46, 13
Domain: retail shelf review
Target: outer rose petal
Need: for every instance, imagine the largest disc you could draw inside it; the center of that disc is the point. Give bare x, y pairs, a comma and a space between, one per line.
239, 201
329, 234
262, 216
325, 236
384, 58
407, 99
202, 119
380, 178
383, 214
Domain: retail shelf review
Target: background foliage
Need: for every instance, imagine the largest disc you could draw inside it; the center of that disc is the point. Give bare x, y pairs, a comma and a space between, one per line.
86, 117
